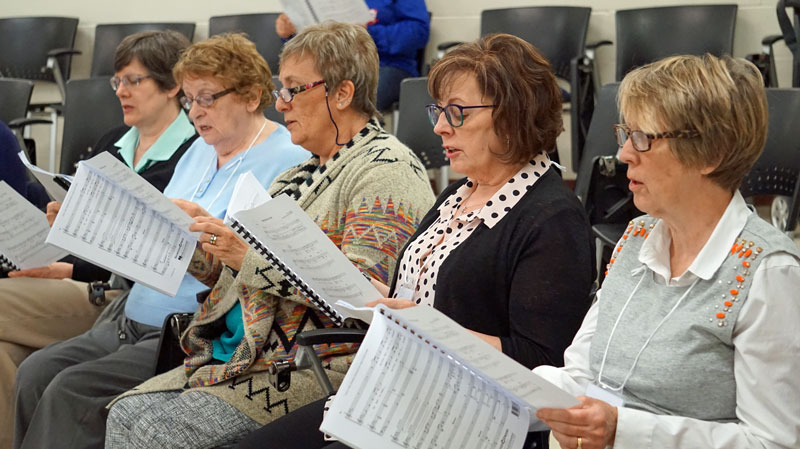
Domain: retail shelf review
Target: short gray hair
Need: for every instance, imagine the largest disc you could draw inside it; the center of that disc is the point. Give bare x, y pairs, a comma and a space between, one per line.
341, 52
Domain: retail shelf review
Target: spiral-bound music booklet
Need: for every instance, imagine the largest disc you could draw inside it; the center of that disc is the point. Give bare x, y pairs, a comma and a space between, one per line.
419, 379
288, 238
23, 230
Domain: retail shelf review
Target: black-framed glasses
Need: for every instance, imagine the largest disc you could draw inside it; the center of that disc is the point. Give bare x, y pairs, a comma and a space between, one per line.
641, 140
127, 80
454, 113
204, 100
287, 93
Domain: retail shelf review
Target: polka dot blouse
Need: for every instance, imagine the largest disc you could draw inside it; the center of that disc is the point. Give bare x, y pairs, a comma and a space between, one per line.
416, 278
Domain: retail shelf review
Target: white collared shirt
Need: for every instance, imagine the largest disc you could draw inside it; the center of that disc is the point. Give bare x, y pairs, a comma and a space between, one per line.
766, 344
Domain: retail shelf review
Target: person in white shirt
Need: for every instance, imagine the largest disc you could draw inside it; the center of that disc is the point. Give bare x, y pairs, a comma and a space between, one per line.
692, 341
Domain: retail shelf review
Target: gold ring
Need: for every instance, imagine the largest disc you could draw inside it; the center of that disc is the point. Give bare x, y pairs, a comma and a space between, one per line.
213, 239
579, 442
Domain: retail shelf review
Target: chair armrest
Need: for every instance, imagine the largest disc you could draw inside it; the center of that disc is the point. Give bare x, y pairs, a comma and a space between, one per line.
56, 52
598, 44
23, 122
330, 335
444, 46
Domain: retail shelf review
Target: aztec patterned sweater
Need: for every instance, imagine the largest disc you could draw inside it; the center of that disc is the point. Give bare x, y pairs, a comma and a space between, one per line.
368, 199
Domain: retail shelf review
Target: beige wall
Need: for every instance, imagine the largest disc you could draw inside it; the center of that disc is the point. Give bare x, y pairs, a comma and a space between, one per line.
452, 20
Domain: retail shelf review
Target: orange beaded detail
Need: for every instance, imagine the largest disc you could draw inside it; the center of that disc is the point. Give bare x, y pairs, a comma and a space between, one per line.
734, 292
632, 230
748, 253
720, 315
728, 304
739, 278
746, 264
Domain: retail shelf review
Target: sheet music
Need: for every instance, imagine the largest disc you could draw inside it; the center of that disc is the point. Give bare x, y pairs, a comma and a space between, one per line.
303, 13
518, 380
47, 179
247, 194
288, 232
116, 219
403, 393
23, 230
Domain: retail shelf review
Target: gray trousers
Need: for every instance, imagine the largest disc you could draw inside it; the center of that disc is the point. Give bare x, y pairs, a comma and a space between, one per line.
61, 391
175, 420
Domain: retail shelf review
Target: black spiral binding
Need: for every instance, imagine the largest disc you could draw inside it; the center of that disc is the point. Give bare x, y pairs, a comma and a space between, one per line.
7, 264
300, 284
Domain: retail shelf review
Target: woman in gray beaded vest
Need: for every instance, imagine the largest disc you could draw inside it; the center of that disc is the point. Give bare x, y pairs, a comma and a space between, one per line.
692, 342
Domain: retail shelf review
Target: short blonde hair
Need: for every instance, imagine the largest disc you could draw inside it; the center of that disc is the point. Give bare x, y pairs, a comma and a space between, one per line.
233, 60
723, 99
518, 78
341, 52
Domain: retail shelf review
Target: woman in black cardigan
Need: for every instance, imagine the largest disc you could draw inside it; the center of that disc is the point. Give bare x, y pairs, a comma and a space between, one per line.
505, 252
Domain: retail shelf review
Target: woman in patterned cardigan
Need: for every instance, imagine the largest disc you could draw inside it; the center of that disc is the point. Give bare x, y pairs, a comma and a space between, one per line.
366, 191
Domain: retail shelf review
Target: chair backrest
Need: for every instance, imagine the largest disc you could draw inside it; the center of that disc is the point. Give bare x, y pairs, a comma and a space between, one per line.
15, 95
26, 42
776, 171
91, 110
600, 140
260, 28
646, 35
108, 36
271, 113
413, 127
559, 32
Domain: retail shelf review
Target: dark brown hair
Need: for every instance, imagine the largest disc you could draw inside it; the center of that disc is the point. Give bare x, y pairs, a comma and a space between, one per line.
515, 77
157, 51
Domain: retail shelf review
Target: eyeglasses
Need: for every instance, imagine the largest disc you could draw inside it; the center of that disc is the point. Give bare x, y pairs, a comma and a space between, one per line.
454, 113
127, 81
204, 100
641, 140
287, 94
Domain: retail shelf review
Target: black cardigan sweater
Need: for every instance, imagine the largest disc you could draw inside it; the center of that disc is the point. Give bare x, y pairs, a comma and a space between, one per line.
527, 280
158, 174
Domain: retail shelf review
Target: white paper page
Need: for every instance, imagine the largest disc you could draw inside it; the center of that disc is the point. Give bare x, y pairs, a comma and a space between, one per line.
247, 194
289, 233
303, 13
23, 230
119, 231
518, 380
56, 191
401, 392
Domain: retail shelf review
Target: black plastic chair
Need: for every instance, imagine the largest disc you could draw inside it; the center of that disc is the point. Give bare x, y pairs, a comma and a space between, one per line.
649, 34
91, 110
39, 49
15, 97
108, 36
777, 171
559, 33
260, 28
414, 129
602, 185
271, 113
765, 61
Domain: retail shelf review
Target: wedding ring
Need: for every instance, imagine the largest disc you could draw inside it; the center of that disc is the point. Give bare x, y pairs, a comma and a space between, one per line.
579, 442
213, 239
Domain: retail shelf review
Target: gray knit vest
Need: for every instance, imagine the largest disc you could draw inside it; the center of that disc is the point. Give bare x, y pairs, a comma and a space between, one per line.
687, 368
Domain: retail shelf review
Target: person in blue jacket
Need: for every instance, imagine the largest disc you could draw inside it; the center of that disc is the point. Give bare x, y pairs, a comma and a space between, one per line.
400, 30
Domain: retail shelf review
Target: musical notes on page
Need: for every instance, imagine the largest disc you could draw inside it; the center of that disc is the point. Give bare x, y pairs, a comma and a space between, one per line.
23, 230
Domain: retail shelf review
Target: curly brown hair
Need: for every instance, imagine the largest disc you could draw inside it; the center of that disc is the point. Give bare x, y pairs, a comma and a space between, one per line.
232, 59
515, 77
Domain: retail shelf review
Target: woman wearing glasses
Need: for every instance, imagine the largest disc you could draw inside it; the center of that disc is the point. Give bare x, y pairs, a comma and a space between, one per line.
693, 340
49, 304
506, 252
66, 386
363, 188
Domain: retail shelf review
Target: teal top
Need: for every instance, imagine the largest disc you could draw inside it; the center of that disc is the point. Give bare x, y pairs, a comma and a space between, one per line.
231, 337
162, 149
